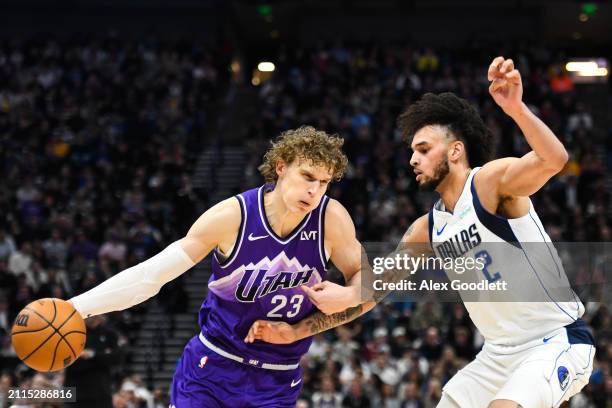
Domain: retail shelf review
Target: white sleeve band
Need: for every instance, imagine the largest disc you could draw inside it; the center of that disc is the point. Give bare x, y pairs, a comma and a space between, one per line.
136, 284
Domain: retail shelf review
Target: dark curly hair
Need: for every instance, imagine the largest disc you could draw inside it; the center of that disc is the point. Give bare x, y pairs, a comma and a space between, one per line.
447, 109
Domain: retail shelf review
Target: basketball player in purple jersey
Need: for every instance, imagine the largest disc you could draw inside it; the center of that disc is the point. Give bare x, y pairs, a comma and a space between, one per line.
270, 246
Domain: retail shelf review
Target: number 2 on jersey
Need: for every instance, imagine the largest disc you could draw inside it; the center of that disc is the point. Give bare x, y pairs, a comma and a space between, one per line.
485, 270
295, 303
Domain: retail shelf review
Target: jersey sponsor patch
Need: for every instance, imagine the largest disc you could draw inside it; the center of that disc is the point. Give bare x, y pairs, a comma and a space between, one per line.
308, 235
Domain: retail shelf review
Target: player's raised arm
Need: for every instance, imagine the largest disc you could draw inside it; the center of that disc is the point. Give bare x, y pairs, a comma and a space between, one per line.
140, 282
526, 175
414, 243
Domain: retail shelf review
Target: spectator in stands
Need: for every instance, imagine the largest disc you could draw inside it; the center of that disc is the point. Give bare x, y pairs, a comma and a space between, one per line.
356, 396
7, 245
56, 250
6, 382
327, 397
91, 373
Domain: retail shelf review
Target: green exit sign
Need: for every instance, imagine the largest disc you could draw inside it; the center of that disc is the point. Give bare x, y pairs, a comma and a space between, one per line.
589, 8
264, 10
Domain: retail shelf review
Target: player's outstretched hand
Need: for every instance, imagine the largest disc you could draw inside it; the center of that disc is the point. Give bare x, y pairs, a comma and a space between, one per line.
271, 332
332, 298
506, 86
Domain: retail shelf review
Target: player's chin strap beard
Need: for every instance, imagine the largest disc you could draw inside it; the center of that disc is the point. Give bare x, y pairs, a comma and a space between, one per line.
440, 172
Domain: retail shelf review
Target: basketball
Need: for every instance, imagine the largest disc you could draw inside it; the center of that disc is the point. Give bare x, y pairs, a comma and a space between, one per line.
48, 334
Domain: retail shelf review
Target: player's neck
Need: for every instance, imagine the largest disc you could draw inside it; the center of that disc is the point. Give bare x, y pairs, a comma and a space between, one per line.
279, 217
451, 187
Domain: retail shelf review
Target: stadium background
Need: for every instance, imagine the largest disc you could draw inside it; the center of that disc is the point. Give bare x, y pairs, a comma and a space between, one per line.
120, 122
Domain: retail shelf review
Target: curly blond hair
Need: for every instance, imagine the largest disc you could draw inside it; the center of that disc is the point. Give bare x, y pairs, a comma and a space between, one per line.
307, 143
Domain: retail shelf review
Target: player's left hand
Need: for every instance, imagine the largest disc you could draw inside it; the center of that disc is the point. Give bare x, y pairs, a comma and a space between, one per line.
332, 298
271, 332
506, 86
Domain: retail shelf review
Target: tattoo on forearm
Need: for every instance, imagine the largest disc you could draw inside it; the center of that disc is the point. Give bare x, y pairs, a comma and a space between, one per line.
408, 232
405, 247
320, 322
395, 275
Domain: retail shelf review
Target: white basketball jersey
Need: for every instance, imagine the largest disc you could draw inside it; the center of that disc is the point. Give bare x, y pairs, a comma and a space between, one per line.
528, 262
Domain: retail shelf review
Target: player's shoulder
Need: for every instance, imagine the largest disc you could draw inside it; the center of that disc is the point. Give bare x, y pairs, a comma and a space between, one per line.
487, 183
225, 216
336, 213
337, 218
418, 232
491, 172
489, 177
421, 224
227, 208
335, 209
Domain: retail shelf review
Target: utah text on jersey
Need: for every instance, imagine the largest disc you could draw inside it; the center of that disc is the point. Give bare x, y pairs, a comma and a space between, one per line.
267, 276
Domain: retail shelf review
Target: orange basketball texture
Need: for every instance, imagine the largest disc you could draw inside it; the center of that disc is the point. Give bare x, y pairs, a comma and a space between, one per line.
48, 334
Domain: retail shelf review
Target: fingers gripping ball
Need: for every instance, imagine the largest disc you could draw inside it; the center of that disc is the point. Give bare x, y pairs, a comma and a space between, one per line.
48, 334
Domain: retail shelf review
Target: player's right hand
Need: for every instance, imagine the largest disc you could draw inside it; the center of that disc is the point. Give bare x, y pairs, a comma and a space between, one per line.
506, 85
271, 332
332, 298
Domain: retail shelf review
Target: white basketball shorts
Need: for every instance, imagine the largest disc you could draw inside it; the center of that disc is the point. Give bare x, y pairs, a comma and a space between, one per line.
540, 374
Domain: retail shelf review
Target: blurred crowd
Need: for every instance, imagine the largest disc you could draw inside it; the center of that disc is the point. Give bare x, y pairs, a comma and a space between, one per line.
358, 92
98, 141
400, 355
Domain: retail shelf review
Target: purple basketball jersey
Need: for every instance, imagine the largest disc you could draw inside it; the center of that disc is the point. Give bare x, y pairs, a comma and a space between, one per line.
260, 279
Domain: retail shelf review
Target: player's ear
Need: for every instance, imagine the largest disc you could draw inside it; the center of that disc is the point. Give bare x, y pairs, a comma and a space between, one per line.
281, 168
456, 150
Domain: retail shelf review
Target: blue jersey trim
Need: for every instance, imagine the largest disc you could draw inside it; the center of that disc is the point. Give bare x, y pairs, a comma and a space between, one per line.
578, 333
431, 224
543, 286
548, 247
496, 224
322, 255
555, 262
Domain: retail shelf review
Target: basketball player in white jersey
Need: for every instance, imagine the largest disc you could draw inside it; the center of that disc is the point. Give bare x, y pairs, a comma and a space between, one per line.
535, 354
